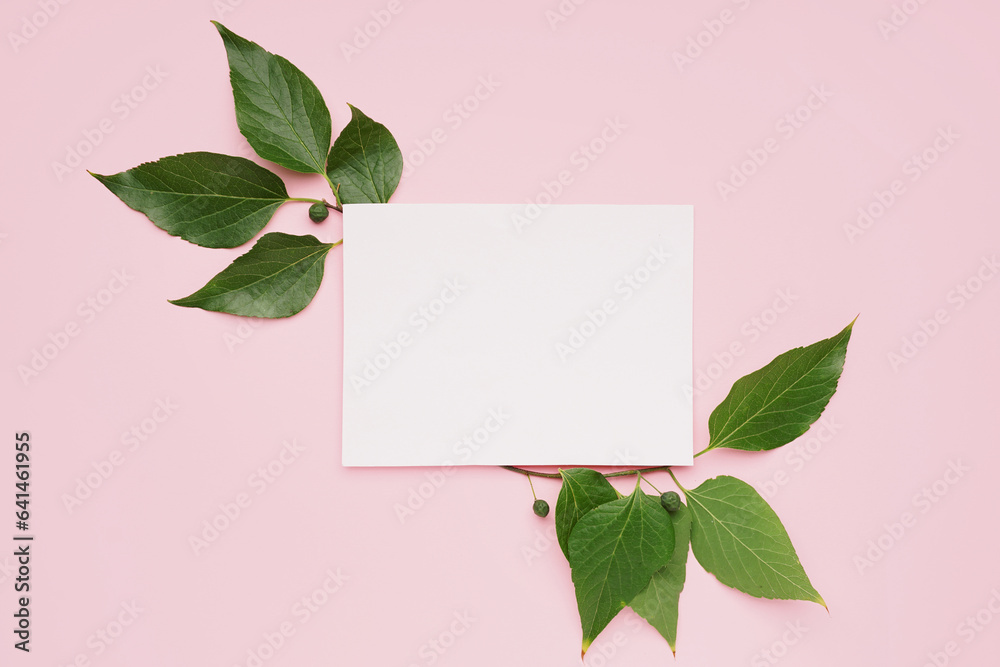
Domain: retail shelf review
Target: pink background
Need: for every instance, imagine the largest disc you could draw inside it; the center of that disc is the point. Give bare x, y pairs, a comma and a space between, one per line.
474, 547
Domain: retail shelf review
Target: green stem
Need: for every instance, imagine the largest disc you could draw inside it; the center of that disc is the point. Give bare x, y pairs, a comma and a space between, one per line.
707, 449
316, 201
339, 205
677, 483
555, 475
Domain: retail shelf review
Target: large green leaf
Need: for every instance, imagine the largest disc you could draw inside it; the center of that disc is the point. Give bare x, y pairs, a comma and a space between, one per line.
582, 490
216, 201
658, 602
365, 162
278, 109
614, 550
278, 277
736, 536
776, 404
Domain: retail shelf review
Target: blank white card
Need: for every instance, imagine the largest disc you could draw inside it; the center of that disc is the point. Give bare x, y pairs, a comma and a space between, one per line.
495, 334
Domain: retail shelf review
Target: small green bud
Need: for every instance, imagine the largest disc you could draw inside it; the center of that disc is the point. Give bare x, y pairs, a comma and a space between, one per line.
541, 508
670, 501
318, 212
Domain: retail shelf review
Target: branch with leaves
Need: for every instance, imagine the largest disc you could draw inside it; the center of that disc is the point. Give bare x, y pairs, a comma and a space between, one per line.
623, 550
222, 201
632, 551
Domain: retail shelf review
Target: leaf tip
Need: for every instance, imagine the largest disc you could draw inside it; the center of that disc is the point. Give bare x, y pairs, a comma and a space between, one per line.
586, 645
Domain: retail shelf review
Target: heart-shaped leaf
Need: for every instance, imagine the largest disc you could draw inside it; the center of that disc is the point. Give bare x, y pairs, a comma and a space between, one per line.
614, 550
365, 162
736, 536
279, 109
582, 490
278, 277
658, 602
776, 404
213, 200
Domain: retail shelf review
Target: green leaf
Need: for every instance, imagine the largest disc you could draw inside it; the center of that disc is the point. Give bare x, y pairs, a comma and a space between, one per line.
736, 536
582, 490
658, 602
776, 404
215, 201
278, 109
614, 550
278, 277
365, 161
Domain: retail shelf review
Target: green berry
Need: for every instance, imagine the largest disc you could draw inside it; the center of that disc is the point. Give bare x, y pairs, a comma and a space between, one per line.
318, 212
670, 501
541, 508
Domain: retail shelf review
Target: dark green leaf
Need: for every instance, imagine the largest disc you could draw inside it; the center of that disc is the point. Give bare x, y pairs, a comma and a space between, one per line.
736, 536
278, 277
658, 602
278, 109
776, 404
216, 201
365, 161
582, 490
614, 550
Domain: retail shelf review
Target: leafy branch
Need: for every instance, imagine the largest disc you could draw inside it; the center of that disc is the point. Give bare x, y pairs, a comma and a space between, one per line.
222, 201
632, 550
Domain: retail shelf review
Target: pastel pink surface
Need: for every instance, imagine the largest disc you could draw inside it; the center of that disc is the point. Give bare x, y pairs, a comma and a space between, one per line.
472, 546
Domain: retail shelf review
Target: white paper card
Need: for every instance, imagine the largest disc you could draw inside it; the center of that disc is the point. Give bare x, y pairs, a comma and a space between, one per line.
474, 334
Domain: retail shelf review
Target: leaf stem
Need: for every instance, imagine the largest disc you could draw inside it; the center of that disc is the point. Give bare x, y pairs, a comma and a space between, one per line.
555, 475
707, 449
532, 488
677, 483
339, 205
335, 207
